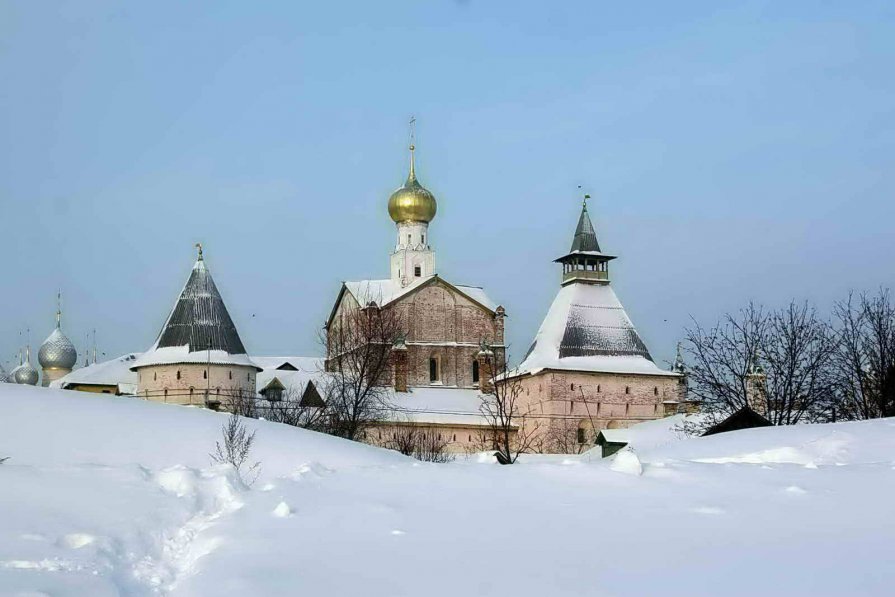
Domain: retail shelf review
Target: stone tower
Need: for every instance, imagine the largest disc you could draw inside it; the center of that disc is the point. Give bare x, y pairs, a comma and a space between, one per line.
198, 358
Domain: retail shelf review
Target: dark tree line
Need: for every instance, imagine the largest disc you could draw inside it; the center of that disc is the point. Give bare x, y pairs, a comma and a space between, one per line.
791, 365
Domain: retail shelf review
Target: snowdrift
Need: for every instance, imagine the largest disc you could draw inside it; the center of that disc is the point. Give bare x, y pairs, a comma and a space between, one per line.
115, 496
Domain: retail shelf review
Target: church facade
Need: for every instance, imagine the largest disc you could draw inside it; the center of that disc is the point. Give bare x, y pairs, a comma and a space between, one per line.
436, 364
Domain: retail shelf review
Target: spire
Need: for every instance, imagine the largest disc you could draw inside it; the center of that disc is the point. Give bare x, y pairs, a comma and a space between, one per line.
585, 237
59, 310
412, 176
199, 249
679, 366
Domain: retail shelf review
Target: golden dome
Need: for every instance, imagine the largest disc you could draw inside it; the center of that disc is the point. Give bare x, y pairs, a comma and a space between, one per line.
412, 202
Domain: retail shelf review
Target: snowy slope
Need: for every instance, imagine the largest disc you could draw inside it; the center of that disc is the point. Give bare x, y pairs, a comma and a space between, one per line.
113, 496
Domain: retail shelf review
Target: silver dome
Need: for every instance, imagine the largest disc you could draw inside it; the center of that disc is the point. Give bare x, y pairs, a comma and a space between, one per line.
25, 374
57, 352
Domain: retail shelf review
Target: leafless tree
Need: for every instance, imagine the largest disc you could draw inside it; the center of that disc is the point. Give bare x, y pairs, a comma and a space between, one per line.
422, 443
234, 448
358, 343
787, 352
864, 361
502, 405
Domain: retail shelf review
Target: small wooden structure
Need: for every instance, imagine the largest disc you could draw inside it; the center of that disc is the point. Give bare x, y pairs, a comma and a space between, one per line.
745, 418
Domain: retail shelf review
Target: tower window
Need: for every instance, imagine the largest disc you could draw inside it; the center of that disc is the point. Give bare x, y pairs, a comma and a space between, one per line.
656, 391
205, 374
423, 239
627, 389
417, 271
434, 373
231, 374
475, 372
178, 374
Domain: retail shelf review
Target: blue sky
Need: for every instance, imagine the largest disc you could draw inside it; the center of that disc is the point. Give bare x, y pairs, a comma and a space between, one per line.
734, 153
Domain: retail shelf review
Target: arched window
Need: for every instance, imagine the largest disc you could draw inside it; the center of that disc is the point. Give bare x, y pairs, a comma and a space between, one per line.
475, 372
434, 373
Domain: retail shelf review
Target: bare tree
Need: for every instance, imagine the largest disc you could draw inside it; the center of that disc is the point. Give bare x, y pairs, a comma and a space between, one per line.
775, 362
234, 448
358, 342
864, 362
502, 405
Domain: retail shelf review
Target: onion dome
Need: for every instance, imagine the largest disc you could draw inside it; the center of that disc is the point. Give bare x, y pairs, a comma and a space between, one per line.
412, 202
26, 373
57, 351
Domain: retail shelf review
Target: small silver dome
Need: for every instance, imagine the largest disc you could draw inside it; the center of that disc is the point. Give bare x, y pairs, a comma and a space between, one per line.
25, 374
57, 352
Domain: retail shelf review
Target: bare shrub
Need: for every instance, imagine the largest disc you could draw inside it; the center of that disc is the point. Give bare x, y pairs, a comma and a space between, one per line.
234, 449
422, 443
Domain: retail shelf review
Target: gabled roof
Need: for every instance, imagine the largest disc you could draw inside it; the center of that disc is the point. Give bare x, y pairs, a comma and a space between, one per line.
385, 292
199, 328
587, 329
114, 372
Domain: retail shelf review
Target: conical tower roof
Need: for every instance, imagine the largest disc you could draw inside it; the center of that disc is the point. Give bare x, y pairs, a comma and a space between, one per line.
585, 237
199, 328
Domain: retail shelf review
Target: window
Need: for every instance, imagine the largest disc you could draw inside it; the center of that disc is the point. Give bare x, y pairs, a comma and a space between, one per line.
433, 370
231, 374
627, 389
166, 394
598, 388
656, 391
423, 239
455, 437
248, 377
475, 372
582, 435
571, 406
155, 376
178, 374
408, 239
205, 374
572, 387
417, 271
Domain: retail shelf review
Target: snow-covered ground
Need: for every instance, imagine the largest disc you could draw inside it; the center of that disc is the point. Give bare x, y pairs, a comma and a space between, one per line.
115, 496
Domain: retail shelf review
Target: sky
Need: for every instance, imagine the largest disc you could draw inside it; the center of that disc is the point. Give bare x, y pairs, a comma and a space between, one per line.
734, 152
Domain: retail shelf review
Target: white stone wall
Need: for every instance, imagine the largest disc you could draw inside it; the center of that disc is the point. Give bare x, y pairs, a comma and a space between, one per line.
161, 383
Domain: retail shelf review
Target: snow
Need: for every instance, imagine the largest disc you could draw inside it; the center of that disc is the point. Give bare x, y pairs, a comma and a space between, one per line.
646, 435
446, 406
604, 313
108, 495
626, 461
173, 355
114, 372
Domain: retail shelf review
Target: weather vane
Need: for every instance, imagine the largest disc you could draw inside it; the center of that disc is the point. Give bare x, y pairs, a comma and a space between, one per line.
199, 247
586, 197
412, 132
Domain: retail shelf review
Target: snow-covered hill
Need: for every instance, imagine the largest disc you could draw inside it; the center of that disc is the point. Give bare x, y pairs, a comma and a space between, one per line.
115, 496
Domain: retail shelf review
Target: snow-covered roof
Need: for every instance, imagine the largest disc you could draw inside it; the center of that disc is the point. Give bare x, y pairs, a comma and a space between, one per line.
114, 372
384, 292
199, 328
649, 434
442, 406
587, 329
308, 369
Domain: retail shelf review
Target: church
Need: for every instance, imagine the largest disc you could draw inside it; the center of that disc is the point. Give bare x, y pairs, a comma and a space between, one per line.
436, 368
